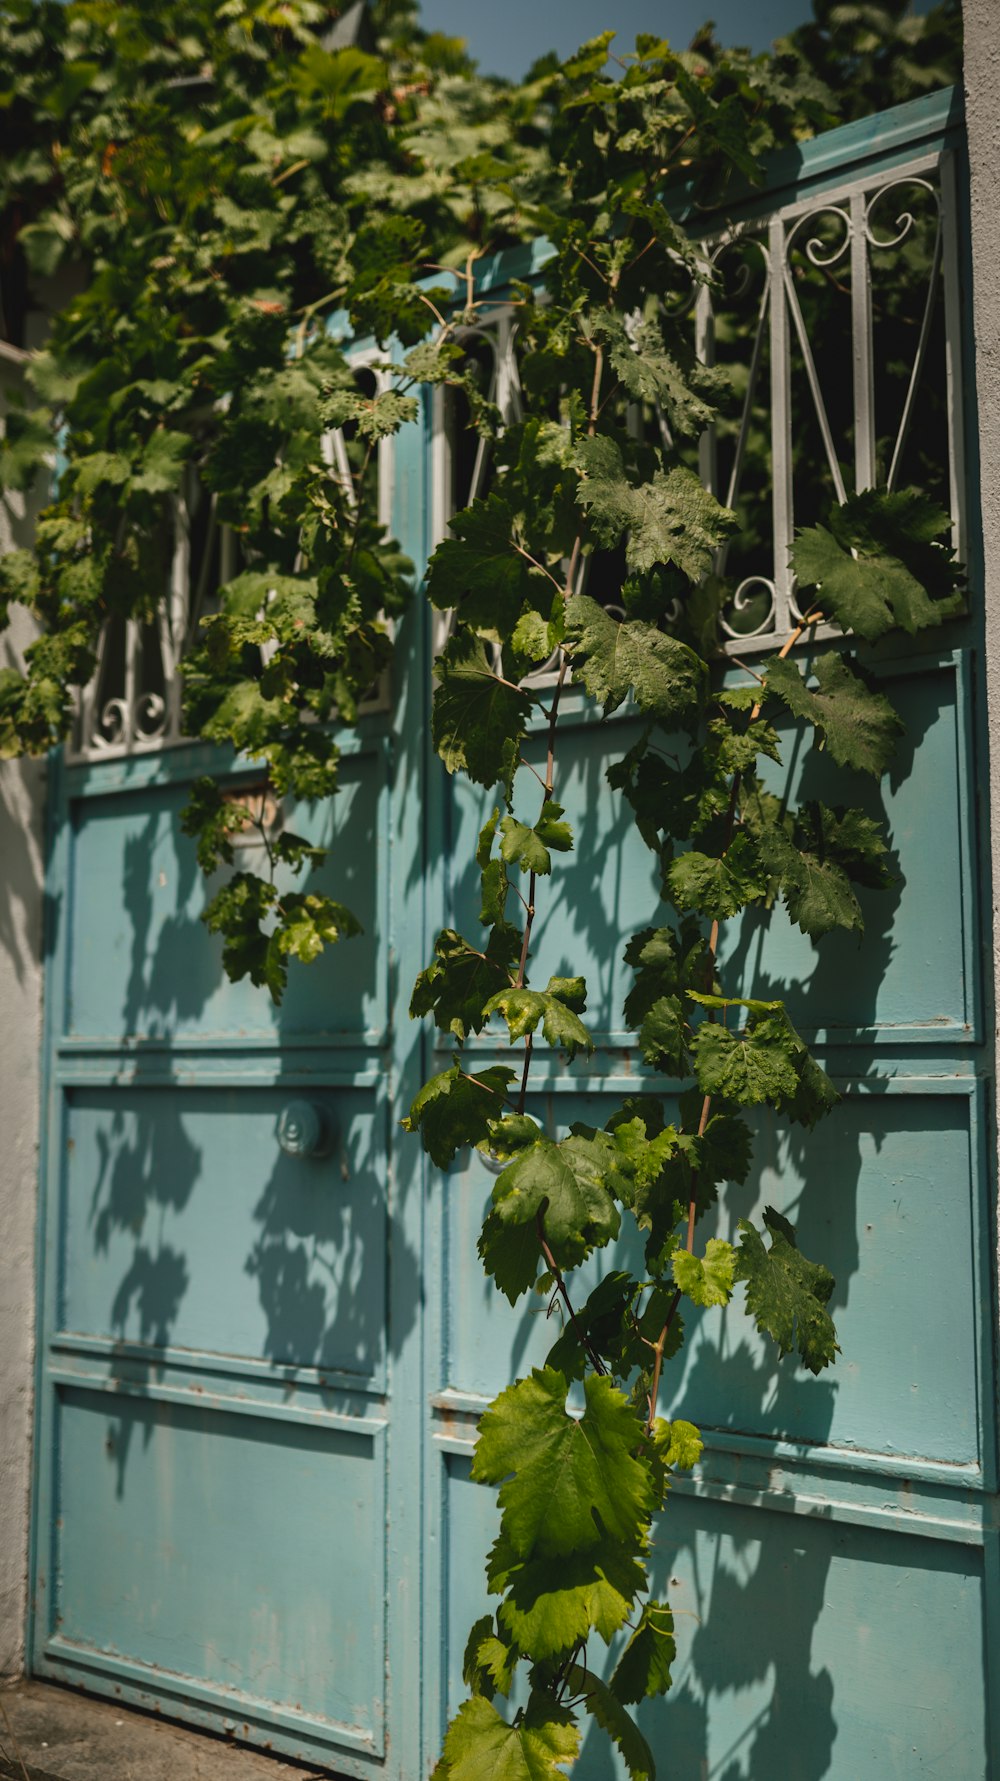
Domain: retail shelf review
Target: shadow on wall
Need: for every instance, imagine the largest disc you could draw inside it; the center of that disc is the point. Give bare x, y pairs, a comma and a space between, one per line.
200, 1233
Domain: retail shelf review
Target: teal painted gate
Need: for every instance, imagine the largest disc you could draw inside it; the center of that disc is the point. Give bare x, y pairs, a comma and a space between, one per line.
259, 1373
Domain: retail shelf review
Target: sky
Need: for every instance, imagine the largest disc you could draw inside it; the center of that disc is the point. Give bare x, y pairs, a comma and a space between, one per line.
505, 36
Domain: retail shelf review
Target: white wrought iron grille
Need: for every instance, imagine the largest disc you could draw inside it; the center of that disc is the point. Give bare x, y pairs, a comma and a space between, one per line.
838, 319
132, 704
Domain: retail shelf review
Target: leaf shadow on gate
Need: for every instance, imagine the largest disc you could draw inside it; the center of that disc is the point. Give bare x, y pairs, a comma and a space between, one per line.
216, 1242
753, 1697
750, 1577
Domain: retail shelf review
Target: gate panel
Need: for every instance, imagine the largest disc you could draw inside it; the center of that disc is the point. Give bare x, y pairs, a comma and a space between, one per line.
183, 1573
225, 1527
832, 1562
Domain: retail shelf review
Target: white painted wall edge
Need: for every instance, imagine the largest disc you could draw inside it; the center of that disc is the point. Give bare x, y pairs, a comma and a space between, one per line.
22, 792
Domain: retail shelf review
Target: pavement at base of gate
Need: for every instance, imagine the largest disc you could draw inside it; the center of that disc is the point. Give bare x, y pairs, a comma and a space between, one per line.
64, 1736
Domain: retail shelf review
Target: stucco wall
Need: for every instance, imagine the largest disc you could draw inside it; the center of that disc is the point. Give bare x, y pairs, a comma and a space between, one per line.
21, 805
982, 85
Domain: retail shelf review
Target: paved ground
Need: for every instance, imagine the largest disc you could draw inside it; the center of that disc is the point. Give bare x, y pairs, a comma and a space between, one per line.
54, 1734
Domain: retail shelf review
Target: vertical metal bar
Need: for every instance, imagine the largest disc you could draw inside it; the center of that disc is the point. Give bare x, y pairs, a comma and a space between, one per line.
173, 624
385, 461
918, 362
180, 566
953, 356
782, 498
227, 555
133, 646
861, 334
704, 346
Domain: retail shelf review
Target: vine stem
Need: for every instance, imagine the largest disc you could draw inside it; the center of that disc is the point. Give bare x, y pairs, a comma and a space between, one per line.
557, 1275
813, 618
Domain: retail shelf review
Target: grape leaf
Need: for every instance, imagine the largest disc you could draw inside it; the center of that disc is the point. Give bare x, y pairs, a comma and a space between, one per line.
481, 1746
611, 1715
679, 1443
786, 1294
309, 922
613, 658
882, 564
475, 713
663, 1036
718, 886
457, 986
530, 848
522, 1009
813, 855
454, 1109
672, 518
601, 1319
479, 571
765, 1062
644, 1667
707, 1279
566, 1483
551, 1604
555, 833
858, 726
521, 846
563, 1184
686, 389
488, 1666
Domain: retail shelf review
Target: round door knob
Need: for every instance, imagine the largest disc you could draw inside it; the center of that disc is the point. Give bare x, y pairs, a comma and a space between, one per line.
301, 1129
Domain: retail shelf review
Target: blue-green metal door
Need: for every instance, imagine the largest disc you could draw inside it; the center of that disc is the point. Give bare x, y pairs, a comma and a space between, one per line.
832, 1562
227, 1518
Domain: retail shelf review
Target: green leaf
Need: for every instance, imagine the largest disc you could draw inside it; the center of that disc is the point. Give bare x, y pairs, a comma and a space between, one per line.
522, 847
454, 1109
562, 1184
786, 1294
607, 1708
530, 848
673, 377
550, 1605
679, 1442
480, 1746
566, 1483
645, 1665
718, 887
672, 518
310, 922
665, 963
885, 562
457, 986
615, 658
475, 714
765, 1062
162, 462
556, 834
858, 726
663, 1036
708, 1279
522, 1009
488, 1666
479, 571
816, 889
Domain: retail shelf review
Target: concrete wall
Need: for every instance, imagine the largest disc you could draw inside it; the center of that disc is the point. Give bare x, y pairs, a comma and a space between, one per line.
982, 90
21, 807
